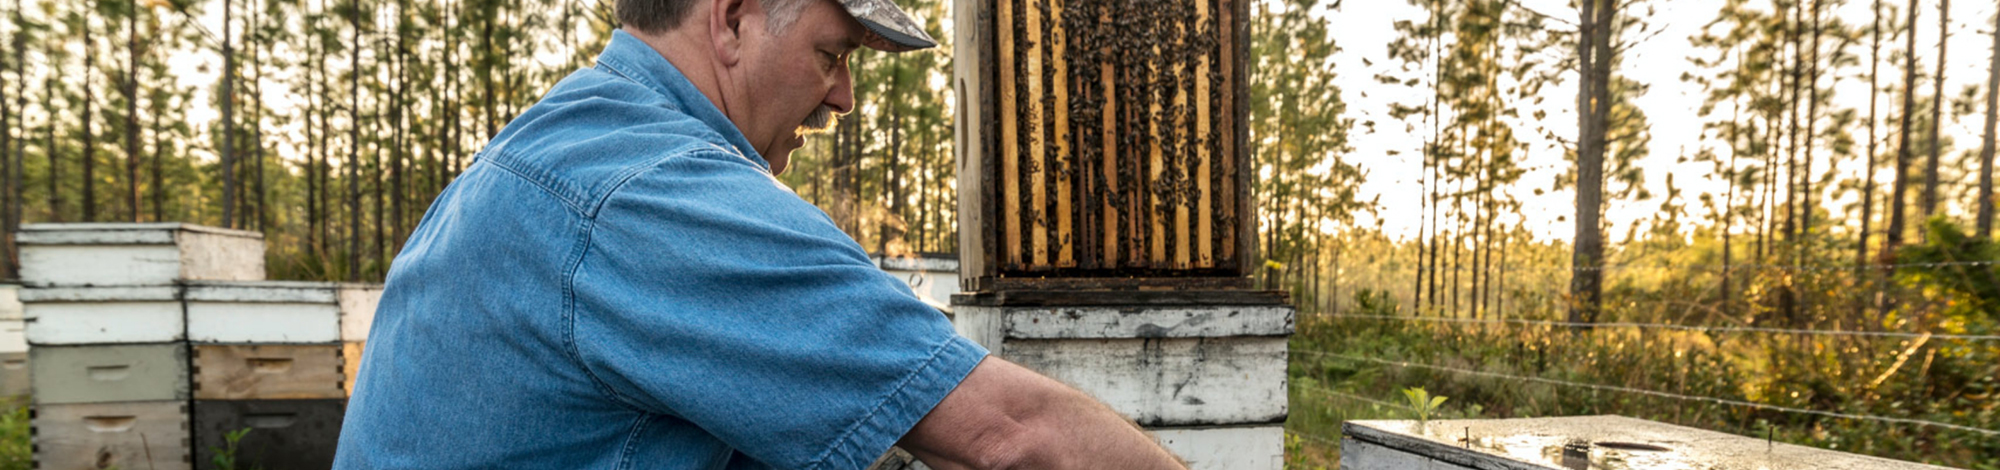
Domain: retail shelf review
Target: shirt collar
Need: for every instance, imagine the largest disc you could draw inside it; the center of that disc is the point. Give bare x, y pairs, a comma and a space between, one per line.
633, 59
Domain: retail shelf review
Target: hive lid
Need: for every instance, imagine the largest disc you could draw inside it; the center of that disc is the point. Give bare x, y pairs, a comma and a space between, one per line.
1609, 442
262, 291
158, 233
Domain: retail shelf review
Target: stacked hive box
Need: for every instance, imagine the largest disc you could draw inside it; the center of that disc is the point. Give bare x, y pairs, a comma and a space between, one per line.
108, 330
267, 356
13, 343
153, 341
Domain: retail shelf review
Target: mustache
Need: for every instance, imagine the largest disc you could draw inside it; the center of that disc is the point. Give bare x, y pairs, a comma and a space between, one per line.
821, 119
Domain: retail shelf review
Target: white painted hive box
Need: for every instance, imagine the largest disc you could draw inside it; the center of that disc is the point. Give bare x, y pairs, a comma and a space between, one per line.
357, 309
1578, 442
103, 315
282, 312
10, 302
1159, 365
126, 254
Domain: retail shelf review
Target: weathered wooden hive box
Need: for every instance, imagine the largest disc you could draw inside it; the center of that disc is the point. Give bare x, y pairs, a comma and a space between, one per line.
129, 435
1106, 225
1578, 442
14, 376
1102, 144
283, 433
93, 254
104, 315
151, 341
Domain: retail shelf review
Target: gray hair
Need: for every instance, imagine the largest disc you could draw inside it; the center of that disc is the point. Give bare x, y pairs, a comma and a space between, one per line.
655, 16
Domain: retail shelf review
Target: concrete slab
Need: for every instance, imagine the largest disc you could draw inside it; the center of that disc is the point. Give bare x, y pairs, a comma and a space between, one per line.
1579, 442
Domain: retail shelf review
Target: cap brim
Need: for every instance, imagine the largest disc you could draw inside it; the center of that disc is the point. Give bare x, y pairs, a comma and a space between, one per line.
889, 28
889, 40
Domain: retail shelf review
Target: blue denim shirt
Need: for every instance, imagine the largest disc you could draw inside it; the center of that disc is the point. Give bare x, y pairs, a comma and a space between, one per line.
619, 282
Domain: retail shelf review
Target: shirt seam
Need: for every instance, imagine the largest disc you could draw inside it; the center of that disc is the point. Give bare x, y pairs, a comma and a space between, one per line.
500, 160
838, 442
583, 245
639, 425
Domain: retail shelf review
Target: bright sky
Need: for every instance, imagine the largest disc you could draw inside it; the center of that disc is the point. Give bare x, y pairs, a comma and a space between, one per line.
1365, 28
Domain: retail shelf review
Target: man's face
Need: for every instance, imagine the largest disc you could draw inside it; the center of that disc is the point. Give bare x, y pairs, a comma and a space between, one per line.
797, 79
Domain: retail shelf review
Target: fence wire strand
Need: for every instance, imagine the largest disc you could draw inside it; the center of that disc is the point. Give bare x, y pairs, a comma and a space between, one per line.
1669, 326
1715, 267
1676, 396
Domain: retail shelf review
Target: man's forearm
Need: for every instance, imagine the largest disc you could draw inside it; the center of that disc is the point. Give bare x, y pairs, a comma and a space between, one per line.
1076, 431
1006, 416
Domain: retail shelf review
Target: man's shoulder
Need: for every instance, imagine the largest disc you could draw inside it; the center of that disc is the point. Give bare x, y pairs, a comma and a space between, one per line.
595, 128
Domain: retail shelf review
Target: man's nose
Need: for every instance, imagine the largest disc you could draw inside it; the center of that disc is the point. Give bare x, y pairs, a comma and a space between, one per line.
841, 97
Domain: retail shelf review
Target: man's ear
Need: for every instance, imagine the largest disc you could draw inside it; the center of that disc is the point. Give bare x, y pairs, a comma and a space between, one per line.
725, 28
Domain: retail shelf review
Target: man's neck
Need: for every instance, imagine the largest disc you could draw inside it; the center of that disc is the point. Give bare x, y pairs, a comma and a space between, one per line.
686, 48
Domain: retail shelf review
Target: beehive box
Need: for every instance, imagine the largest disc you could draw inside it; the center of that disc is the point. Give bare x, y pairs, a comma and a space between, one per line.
267, 372
109, 373
1159, 366
350, 364
149, 435
126, 254
263, 312
103, 315
357, 309
14, 374
10, 301
283, 433
1102, 144
13, 336
1578, 442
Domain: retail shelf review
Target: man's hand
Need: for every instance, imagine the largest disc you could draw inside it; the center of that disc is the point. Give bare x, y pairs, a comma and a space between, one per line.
1006, 416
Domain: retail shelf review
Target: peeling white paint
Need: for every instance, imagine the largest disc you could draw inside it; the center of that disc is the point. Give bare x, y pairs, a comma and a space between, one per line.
136, 254
1226, 448
105, 322
246, 322
1147, 322
357, 310
262, 292
1169, 382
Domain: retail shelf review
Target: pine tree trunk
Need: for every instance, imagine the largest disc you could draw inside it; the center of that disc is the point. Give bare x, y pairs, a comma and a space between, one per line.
396, 153
353, 176
261, 209
8, 164
1861, 274
228, 118
1898, 191
132, 109
1984, 224
89, 131
1930, 196
55, 167
1593, 109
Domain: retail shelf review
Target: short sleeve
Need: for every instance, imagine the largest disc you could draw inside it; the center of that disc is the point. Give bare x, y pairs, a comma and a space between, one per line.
711, 293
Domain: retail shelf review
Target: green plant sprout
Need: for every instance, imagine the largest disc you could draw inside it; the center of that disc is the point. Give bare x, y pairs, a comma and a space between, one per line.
225, 458
1423, 403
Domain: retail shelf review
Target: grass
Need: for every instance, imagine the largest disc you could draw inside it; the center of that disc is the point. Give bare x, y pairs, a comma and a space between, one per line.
1326, 389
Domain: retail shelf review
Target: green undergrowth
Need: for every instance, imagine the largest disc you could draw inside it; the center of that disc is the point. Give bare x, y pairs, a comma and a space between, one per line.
15, 443
1329, 385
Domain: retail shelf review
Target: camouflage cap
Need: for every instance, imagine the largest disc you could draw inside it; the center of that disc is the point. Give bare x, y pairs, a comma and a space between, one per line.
890, 29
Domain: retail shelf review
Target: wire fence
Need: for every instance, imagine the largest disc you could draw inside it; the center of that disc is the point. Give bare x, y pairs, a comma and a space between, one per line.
1711, 267
1667, 326
1656, 393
